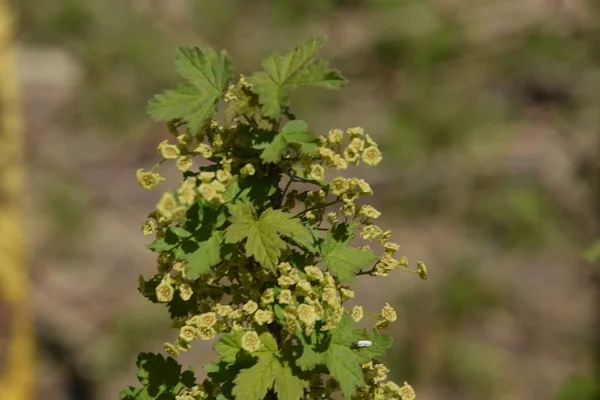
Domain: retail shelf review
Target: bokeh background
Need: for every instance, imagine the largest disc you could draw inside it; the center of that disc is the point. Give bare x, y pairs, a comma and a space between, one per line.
488, 115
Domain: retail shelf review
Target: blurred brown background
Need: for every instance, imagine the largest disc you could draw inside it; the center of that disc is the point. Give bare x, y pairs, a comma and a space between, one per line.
488, 114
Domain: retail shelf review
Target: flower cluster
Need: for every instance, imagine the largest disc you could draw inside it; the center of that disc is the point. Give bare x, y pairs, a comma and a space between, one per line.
378, 389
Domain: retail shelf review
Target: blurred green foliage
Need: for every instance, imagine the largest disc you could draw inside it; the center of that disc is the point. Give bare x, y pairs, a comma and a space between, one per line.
580, 387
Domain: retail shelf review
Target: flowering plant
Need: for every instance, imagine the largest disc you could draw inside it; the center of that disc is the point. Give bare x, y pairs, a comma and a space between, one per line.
247, 250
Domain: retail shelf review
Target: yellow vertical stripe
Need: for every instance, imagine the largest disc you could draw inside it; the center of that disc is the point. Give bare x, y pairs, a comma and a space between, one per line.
16, 331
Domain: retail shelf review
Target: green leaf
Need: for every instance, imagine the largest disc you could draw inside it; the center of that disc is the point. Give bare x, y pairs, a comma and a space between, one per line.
294, 132
273, 151
269, 342
342, 360
180, 232
166, 243
253, 383
282, 75
343, 365
288, 226
161, 378
289, 386
229, 346
309, 358
380, 344
345, 261
206, 256
262, 234
194, 101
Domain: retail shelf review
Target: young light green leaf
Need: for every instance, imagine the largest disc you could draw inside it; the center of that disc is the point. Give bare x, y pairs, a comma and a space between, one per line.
253, 383
195, 101
273, 151
228, 346
309, 358
262, 235
289, 386
379, 345
287, 226
283, 74
294, 132
206, 256
343, 365
269, 342
345, 261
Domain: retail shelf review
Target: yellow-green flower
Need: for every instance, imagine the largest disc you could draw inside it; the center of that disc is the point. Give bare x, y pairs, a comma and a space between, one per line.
364, 187
330, 296
207, 176
407, 392
247, 170
357, 313
340, 163
168, 151
285, 297
357, 144
185, 291
332, 218
267, 297
223, 175
306, 314
285, 281
303, 288
204, 150
148, 180
164, 292
207, 191
207, 319
351, 155
184, 163
339, 185
346, 293
184, 138
335, 136
391, 247
369, 211
314, 273
251, 342
388, 313
349, 196
369, 141
348, 210
186, 194
422, 270
317, 172
371, 155
370, 232
148, 228
171, 350
167, 205
284, 267
218, 186
355, 132
222, 310
250, 307
206, 332
262, 317
187, 333
326, 153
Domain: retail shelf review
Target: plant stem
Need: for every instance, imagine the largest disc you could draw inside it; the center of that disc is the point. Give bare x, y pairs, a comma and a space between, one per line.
315, 207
